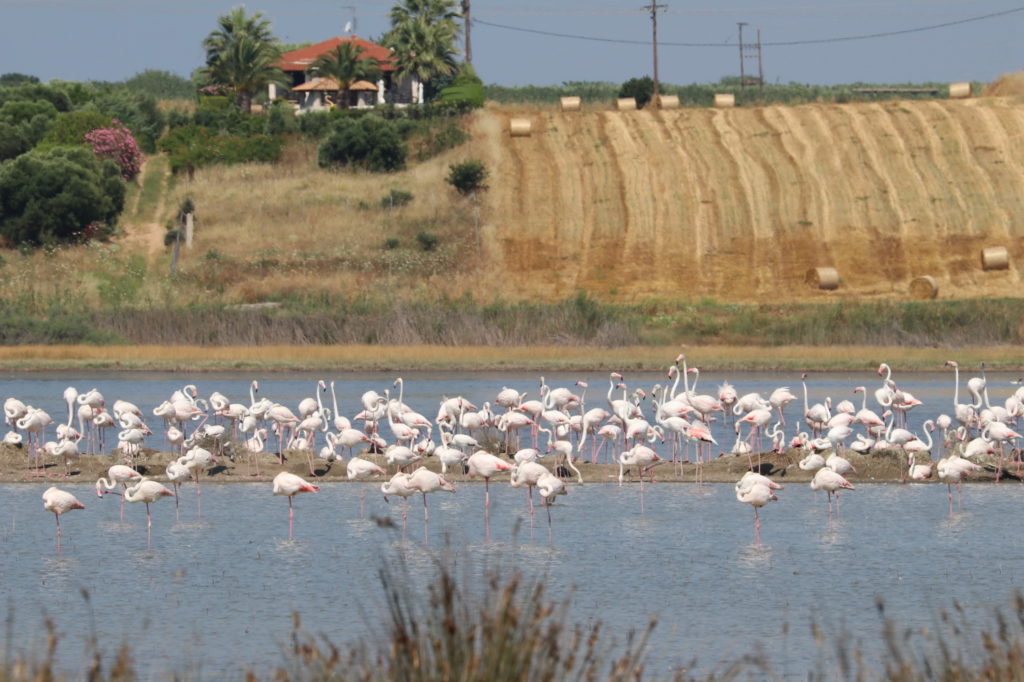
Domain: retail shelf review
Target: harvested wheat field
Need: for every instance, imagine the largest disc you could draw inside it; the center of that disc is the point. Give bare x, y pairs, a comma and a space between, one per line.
739, 204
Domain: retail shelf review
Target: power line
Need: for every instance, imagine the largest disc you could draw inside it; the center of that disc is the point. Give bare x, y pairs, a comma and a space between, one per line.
785, 43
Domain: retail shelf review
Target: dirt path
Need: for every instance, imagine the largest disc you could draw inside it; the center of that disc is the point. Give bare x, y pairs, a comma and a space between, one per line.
738, 204
148, 236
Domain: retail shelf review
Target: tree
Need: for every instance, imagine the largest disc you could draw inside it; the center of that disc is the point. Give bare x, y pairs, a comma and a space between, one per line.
53, 196
467, 177
641, 89
368, 142
423, 35
345, 65
13, 79
241, 53
161, 84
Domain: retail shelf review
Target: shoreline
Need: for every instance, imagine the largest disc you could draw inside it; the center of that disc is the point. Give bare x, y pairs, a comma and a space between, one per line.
883, 467
492, 358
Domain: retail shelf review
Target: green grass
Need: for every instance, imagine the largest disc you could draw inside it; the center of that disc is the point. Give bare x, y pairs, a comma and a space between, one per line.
153, 180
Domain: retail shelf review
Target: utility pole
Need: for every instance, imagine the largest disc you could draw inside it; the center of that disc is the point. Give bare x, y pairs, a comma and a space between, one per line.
465, 29
654, 7
743, 76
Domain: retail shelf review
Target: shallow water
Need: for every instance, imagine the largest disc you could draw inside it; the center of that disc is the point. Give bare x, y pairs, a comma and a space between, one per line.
215, 596
219, 593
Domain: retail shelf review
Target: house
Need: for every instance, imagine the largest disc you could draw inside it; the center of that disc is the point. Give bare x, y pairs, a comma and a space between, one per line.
310, 92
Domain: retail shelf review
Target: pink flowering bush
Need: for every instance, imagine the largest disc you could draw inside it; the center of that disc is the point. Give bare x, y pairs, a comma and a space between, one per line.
117, 144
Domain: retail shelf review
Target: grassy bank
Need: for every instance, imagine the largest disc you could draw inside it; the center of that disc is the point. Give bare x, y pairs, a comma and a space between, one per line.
547, 357
418, 320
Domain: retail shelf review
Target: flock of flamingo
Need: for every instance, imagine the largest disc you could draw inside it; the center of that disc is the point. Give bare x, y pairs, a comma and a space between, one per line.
976, 433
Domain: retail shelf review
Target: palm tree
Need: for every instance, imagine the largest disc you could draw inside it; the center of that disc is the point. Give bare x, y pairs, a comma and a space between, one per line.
346, 65
423, 35
424, 50
241, 53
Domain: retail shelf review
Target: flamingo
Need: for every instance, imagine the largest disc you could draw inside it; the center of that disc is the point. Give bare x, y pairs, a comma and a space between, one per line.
527, 473
424, 481
177, 473
148, 492
289, 484
359, 469
60, 502
486, 465
118, 474
919, 472
399, 486
831, 482
550, 486
953, 469
757, 491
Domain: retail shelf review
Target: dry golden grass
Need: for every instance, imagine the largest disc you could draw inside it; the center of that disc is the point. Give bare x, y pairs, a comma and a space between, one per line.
486, 357
292, 228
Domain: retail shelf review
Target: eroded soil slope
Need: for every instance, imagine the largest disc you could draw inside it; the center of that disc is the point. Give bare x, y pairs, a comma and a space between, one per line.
739, 203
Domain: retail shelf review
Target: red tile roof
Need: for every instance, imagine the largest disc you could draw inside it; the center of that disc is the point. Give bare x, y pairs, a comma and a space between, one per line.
300, 59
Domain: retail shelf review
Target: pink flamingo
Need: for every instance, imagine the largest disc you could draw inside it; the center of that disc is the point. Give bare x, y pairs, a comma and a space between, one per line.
756, 490
289, 484
424, 481
148, 492
831, 482
60, 502
119, 475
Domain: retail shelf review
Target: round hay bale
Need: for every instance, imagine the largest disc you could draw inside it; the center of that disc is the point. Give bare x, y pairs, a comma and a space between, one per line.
823, 278
626, 104
571, 103
725, 100
519, 127
959, 90
924, 288
668, 101
995, 258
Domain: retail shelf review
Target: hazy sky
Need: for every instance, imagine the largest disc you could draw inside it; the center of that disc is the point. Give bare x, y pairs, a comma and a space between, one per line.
114, 39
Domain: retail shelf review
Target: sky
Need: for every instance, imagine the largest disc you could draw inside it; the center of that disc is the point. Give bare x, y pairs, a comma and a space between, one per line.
548, 43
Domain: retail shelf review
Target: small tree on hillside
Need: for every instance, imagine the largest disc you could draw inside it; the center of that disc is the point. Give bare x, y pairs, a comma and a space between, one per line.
117, 144
468, 178
640, 89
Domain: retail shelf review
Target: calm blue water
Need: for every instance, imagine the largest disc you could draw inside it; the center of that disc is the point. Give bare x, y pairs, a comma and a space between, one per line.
214, 597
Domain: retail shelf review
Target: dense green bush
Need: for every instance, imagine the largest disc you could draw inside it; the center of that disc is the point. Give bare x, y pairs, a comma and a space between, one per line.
640, 89
396, 198
69, 129
369, 142
161, 85
137, 111
191, 147
33, 92
467, 177
281, 119
54, 196
466, 88
22, 125
10, 80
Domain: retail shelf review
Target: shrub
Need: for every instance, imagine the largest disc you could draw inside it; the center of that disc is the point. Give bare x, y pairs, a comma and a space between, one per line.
34, 92
369, 142
51, 196
69, 129
117, 144
12, 79
466, 88
467, 177
22, 125
641, 89
281, 119
428, 240
396, 197
161, 85
136, 110
192, 147
389, 244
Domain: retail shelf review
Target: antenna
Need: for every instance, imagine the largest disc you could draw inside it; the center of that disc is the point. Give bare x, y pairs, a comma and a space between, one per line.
350, 25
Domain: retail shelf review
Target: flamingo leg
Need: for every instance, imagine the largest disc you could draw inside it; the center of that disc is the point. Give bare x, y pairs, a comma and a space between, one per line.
149, 528
949, 494
57, 516
529, 498
487, 493
757, 528
177, 516
291, 517
362, 499
426, 510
